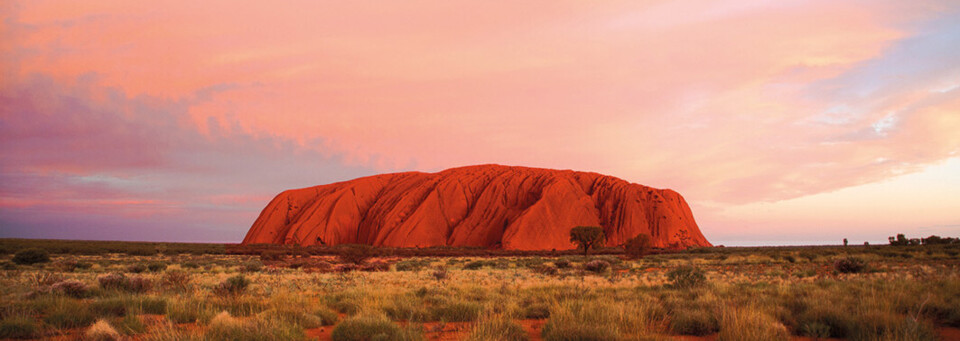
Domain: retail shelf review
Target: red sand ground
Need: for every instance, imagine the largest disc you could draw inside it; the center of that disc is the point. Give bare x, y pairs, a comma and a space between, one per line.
491, 206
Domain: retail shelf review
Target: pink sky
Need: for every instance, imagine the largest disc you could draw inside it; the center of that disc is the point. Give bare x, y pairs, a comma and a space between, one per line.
781, 122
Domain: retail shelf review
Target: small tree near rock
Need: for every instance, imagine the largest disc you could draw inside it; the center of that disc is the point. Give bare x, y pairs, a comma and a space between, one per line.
587, 237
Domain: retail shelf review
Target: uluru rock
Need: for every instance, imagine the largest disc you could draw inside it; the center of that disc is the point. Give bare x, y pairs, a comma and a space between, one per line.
491, 206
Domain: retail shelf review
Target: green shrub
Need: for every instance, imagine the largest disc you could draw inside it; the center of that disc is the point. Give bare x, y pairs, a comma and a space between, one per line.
686, 277
372, 327
233, 286
31, 256
152, 304
497, 328
68, 313
109, 307
18, 327
457, 311
406, 308
411, 265
252, 266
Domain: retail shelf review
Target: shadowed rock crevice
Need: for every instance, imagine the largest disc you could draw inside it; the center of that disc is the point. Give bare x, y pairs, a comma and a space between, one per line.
489, 206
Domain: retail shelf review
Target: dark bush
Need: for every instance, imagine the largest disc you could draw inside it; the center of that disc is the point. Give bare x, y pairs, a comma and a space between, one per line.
638, 246
548, 270
474, 265
31, 256
411, 265
142, 251
252, 266
346, 267
356, 254
849, 265
18, 327
686, 277
137, 284
71, 288
562, 263
113, 281
156, 266
376, 266
268, 256
136, 268
596, 266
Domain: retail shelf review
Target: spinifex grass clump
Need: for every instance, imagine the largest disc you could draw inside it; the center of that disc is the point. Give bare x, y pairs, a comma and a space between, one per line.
456, 311
686, 277
101, 331
497, 328
373, 327
750, 324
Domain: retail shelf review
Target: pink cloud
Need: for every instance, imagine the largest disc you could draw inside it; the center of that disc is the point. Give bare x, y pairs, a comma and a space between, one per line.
727, 102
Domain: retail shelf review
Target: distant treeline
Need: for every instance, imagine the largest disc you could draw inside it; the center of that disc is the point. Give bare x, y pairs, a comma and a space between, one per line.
902, 240
93, 247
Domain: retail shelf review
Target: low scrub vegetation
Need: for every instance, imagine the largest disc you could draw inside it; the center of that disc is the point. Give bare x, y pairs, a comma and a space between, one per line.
908, 292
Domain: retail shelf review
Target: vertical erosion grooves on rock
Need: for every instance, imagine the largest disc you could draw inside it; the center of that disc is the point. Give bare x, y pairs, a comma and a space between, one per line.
489, 206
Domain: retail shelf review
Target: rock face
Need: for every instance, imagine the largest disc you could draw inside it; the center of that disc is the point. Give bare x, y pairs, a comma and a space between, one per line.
491, 206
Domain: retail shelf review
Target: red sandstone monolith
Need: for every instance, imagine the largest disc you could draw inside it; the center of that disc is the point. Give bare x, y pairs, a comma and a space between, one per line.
491, 206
